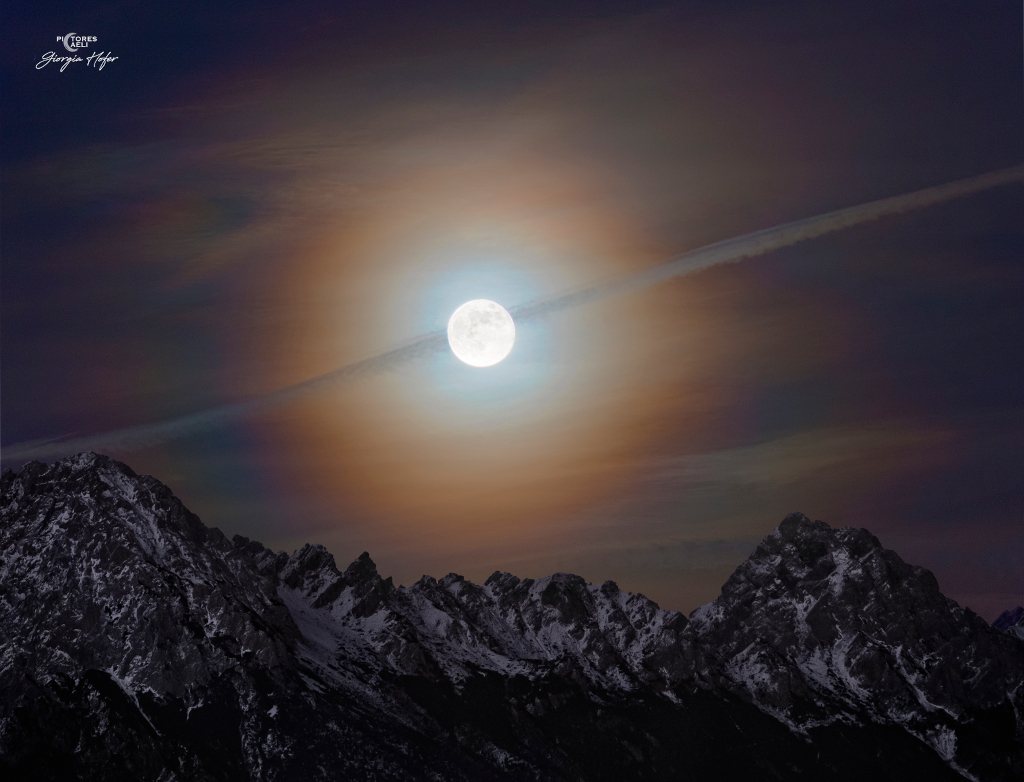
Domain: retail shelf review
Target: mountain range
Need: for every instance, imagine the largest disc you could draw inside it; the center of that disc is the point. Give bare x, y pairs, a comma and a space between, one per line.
138, 644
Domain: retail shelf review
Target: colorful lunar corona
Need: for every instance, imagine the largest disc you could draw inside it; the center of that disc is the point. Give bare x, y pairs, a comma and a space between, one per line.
728, 251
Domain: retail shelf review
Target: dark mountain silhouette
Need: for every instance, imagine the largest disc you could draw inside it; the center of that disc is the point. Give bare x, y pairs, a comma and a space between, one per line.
136, 643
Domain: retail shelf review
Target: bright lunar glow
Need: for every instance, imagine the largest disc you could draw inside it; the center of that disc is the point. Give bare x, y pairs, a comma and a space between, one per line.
481, 333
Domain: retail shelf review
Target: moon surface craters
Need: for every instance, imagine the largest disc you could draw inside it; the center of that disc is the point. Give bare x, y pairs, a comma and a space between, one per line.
481, 333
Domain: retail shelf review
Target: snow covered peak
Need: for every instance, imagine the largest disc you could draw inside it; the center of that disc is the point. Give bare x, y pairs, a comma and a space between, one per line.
112, 558
823, 624
1012, 621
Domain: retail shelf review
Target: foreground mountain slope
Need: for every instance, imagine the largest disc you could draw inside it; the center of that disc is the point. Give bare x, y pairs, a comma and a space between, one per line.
139, 644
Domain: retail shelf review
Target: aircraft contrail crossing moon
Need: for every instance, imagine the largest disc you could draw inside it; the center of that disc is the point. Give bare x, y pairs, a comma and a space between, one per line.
728, 251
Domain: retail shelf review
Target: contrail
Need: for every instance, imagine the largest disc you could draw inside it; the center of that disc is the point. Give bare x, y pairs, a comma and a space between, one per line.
768, 239
728, 251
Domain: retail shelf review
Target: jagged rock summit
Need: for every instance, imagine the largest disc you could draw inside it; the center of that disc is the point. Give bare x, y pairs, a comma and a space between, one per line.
139, 644
1012, 621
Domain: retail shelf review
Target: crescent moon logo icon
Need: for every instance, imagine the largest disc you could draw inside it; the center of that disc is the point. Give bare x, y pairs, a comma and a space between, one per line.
67, 45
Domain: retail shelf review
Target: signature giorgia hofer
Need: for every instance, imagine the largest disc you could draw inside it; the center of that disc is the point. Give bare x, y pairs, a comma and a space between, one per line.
99, 60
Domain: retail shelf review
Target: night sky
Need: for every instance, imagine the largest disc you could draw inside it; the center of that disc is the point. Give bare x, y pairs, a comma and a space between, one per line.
254, 194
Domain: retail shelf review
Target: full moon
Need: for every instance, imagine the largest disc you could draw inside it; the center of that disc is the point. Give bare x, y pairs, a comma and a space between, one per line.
481, 333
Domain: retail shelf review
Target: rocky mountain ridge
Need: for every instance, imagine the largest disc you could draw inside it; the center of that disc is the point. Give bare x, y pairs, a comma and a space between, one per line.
151, 647
1012, 621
